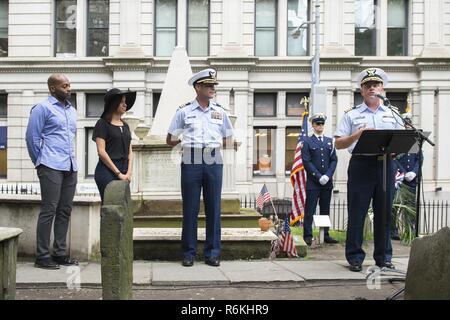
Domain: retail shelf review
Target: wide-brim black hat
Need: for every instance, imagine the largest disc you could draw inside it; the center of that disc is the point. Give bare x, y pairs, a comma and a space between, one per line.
111, 94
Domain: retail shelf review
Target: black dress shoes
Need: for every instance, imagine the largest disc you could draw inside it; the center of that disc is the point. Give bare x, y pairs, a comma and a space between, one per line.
65, 261
187, 262
387, 264
355, 267
308, 242
212, 261
331, 240
46, 263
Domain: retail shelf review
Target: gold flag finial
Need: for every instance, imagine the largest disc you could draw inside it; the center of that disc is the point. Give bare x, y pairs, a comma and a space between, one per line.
305, 102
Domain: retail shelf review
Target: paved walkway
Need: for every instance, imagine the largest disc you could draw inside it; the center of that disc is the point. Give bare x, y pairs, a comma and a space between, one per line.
147, 273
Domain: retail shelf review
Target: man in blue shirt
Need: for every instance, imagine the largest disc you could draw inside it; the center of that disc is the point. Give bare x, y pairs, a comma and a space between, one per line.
205, 127
50, 141
320, 160
365, 172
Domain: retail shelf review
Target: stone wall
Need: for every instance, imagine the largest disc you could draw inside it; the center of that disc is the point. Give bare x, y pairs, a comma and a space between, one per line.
19, 211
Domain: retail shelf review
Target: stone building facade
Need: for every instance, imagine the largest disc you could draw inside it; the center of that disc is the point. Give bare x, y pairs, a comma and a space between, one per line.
263, 71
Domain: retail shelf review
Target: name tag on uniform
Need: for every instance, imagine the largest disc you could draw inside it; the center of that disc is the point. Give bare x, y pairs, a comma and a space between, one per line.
388, 119
359, 120
216, 115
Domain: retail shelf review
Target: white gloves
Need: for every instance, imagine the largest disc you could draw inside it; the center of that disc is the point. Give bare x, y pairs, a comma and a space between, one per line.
323, 179
409, 176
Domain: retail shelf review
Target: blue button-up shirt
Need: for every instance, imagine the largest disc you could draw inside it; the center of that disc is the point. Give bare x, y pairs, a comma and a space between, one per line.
51, 133
363, 116
201, 128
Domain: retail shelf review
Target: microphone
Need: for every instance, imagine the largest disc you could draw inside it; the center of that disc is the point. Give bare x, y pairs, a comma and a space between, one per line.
386, 101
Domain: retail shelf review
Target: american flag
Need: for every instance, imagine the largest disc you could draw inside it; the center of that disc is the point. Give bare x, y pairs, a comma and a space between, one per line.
263, 197
287, 241
298, 175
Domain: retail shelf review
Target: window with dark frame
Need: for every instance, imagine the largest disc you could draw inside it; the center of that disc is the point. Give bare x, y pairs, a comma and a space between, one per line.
165, 27
264, 151
291, 138
98, 28
73, 99
397, 28
298, 12
155, 101
3, 105
4, 9
94, 105
66, 27
198, 28
265, 104
294, 107
399, 100
365, 28
265, 27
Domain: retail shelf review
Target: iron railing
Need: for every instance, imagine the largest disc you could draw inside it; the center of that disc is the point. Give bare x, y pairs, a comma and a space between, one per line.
434, 214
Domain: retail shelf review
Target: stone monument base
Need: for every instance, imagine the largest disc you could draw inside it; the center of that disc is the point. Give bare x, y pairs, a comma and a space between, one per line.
237, 243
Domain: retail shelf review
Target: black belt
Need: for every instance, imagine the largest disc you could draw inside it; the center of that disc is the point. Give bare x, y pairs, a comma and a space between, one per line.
373, 157
204, 149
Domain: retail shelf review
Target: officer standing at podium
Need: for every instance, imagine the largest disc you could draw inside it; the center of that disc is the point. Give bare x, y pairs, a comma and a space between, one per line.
320, 160
205, 127
365, 173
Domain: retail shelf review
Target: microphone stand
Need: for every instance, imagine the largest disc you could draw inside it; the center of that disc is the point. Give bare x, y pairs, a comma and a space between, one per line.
420, 137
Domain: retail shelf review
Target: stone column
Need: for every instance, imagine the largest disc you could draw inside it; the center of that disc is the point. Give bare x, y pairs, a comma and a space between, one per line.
280, 155
441, 149
181, 23
232, 29
427, 123
434, 29
381, 17
282, 30
344, 101
130, 32
333, 32
241, 101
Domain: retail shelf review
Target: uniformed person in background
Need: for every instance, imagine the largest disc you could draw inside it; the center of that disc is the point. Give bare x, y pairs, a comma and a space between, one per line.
408, 164
365, 173
320, 160
205, 128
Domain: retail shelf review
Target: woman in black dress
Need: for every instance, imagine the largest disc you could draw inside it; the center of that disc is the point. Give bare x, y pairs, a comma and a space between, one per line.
113, 138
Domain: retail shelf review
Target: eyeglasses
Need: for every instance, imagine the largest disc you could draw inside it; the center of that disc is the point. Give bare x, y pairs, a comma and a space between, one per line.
319, 123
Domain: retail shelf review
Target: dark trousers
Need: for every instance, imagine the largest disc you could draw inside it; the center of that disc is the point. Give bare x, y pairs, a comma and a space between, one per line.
103, 175
195, 175
57, 192
365, 183
323, 196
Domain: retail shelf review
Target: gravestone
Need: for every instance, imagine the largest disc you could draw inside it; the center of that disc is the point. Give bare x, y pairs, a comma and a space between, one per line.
428, 275
116, 242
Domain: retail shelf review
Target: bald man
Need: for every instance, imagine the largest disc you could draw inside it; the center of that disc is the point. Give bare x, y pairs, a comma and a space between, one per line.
50, 141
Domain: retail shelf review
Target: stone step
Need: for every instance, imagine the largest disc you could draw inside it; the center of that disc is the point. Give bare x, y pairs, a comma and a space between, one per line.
240, 220
237, 243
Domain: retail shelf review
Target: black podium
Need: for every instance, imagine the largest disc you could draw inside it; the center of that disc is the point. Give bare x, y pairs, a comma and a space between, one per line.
383, 143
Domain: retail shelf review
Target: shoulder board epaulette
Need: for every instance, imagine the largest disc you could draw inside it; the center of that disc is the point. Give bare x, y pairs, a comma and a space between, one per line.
349, 109
220, 106
184, 105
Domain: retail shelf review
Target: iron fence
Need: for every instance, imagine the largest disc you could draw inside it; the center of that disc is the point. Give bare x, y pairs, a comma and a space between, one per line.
34, 189
434, 214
